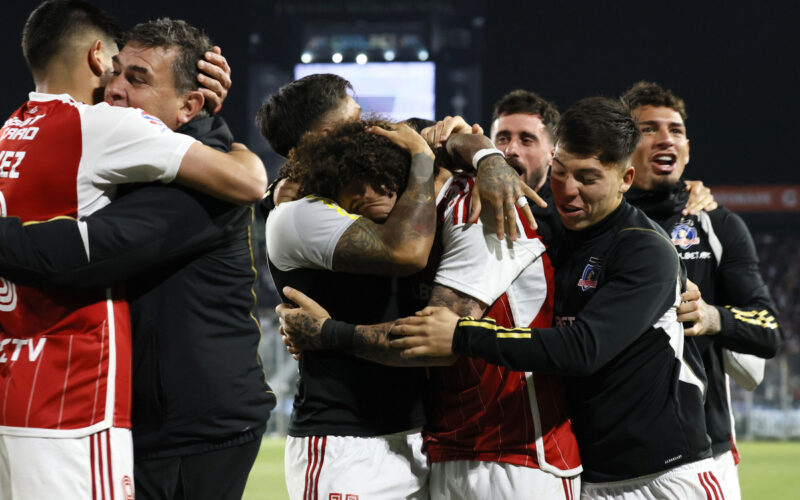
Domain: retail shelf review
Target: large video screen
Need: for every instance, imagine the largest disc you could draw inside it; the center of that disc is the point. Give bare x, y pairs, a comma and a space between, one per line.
399, 90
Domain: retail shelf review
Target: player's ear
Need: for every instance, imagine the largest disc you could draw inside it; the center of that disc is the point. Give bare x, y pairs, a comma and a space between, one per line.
687, 151
627, 179
191, 104
95, 58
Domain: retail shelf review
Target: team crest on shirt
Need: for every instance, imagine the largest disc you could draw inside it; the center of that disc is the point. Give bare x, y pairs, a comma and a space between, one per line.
590, 273
684, 235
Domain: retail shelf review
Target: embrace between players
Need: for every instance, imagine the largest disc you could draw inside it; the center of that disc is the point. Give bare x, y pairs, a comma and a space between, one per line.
512, 401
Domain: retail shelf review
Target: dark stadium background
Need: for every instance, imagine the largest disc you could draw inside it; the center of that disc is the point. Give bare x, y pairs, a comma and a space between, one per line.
735, 64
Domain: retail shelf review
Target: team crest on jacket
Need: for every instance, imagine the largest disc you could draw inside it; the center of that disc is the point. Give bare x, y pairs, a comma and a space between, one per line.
684, 235
590, 273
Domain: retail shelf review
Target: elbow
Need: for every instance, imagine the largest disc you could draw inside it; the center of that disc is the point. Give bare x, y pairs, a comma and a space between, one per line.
258, 186
252, 191
411, 261
775, 346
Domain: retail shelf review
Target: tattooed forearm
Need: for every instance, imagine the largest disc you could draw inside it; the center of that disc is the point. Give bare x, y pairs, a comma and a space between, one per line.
372, 342
401, 244
462, 147
460, 303
303, 329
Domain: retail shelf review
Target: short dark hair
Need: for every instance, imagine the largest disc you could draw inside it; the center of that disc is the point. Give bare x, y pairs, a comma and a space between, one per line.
597, 126
295, 108
325, 163
652, 94
529, 103
419, 123
53, 23
192, 44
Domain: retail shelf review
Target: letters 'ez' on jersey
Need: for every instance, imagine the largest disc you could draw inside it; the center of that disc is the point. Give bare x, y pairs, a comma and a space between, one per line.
487, 412
65, 357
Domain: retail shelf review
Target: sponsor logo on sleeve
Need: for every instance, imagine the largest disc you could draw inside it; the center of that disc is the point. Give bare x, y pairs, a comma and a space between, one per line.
155, 121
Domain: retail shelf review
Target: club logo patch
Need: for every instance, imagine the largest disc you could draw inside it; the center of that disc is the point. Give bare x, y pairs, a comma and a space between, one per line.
590, 273
684, 235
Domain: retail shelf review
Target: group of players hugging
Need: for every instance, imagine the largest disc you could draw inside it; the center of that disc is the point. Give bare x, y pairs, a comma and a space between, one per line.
550, 312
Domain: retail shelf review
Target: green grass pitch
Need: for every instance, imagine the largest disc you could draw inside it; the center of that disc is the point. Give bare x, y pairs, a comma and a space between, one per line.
768, 470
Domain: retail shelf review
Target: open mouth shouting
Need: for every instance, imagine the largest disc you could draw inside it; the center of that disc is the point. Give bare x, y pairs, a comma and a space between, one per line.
664, 163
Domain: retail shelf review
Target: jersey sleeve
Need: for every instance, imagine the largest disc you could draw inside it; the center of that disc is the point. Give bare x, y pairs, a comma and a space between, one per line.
304, 233
122, 145
635, 294
475, 262
748, 315
151, 225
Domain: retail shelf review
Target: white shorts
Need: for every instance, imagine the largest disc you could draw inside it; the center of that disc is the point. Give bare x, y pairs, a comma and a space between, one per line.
96, 466
693, 481
728, 475
478, 480
389, 467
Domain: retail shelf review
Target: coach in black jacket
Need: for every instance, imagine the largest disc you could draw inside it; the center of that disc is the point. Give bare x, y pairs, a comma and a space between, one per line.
735, 320
200, 398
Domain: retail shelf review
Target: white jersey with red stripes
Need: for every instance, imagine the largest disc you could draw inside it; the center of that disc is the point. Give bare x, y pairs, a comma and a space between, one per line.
65, 356
486, 412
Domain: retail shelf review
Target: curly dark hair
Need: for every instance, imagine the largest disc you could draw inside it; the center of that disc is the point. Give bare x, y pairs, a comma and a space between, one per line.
652, 94
325, 163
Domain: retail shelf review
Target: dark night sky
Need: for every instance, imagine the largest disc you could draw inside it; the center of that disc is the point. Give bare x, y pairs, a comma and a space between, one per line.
737, 68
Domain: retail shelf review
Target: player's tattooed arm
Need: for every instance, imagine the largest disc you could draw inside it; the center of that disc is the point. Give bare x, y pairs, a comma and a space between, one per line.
399, 246
497, 184
302, 328
373, 341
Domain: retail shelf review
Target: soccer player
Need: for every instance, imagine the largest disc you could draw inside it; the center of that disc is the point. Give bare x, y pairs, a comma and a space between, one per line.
348, 434
491, 431
635, 400
67, 380
734, 319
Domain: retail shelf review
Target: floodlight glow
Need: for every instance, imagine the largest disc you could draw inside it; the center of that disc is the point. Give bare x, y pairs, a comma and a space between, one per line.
337, 58
361, 58
423, 55
306, 57
389, 55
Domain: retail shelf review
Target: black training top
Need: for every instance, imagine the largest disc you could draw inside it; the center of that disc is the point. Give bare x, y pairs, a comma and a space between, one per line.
339, 394
187, 261
720, 257
634, 389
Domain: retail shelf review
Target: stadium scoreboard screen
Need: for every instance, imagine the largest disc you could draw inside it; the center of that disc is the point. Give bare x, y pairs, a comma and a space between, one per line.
397, 90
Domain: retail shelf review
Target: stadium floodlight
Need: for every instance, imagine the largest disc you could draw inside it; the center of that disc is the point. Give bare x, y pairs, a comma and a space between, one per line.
423, 55
389, 55
337, 57
306, 57
361, 58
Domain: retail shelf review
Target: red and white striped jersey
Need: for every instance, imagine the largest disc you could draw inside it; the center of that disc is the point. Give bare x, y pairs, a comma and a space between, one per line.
65, 356
482, 411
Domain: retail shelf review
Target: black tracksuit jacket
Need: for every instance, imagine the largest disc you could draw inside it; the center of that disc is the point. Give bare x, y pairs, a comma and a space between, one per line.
187, 263
720, 257
635, 399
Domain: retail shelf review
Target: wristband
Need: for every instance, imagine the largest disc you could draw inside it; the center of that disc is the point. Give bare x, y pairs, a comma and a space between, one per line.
483, 153
337, 335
